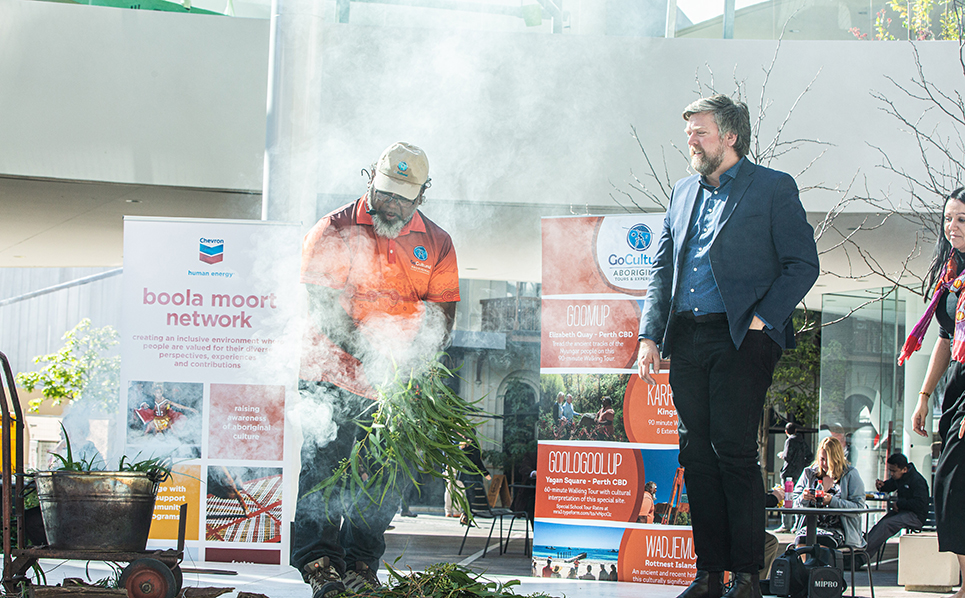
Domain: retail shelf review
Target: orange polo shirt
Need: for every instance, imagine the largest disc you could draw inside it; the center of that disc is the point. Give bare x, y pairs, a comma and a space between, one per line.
646, 508
383, 284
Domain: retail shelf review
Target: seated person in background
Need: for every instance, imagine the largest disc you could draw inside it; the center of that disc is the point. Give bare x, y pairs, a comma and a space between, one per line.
843, 489
524, 498
911, 508
473, 482
646, 505
589, 573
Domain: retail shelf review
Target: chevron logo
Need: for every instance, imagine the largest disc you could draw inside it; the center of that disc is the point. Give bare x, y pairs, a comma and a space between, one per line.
211, 250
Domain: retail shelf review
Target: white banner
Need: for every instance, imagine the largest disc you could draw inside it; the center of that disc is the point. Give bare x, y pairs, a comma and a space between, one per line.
210, 360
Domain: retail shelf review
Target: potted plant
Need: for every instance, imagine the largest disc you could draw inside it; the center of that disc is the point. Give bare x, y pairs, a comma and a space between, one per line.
85, 509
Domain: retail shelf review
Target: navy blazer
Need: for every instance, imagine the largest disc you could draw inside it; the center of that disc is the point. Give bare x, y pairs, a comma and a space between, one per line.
763, 255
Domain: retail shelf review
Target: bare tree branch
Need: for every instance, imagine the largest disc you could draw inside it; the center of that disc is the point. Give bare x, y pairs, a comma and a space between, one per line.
941, 150
664, 189
855, 309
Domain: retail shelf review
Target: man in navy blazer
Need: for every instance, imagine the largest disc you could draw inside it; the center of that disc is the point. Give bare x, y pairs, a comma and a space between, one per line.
736, 255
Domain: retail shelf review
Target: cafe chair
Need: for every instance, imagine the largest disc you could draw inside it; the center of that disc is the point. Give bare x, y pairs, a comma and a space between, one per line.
929, 525
854, 551
480, 509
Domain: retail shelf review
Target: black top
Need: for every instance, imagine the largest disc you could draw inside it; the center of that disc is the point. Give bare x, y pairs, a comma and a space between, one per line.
945, 314
797, 456
912, 492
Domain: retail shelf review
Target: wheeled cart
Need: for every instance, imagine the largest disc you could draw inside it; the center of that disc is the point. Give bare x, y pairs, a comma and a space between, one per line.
149, 574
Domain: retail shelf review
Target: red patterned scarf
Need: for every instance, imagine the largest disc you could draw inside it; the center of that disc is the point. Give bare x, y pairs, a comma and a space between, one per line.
953, 281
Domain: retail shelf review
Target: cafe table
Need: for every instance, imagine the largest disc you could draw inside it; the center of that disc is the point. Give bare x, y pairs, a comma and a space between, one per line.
811, 516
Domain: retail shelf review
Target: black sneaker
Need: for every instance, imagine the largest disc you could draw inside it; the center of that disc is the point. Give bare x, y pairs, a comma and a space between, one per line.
361, 580
324, 579
859, 562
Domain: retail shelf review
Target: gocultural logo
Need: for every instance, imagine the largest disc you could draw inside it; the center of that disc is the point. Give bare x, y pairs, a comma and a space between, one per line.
402, 168
630, 260
211, 250
639, 237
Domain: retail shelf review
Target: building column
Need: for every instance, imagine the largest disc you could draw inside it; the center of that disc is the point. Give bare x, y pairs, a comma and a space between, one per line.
292, 135
915, 447
671, 29
729, 16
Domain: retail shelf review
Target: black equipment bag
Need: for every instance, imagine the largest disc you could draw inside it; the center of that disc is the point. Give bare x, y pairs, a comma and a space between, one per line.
815, 577
826, 582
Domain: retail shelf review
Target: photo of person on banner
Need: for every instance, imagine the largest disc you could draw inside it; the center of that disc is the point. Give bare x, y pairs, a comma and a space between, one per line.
166, 415
382, 285
735, 257
602, 415
647, 504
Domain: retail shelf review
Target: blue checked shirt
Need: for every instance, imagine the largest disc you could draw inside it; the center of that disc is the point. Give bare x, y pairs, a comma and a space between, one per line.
698, 290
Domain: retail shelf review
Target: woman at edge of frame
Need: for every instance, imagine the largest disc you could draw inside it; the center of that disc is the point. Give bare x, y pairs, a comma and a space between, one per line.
947, 305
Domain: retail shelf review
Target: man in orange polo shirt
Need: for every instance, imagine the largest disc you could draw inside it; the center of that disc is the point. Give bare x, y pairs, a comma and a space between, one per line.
646, 505
382, 290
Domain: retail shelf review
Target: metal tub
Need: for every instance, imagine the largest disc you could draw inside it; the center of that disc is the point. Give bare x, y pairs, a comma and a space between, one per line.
96, 510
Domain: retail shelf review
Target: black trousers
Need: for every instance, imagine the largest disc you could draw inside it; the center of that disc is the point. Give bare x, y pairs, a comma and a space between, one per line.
348, 529
719, 393
949, 486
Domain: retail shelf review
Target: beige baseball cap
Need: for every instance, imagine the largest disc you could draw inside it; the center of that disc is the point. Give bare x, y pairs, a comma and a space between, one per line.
402, 169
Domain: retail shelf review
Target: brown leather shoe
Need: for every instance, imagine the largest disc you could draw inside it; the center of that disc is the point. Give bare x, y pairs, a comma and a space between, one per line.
707, 584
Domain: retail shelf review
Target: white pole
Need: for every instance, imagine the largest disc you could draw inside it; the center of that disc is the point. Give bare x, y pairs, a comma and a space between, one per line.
671, 19
729, 7
292, 136
915, 447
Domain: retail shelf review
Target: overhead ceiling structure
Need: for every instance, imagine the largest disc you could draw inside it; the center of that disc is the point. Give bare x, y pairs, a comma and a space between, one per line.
47, 223
175, 126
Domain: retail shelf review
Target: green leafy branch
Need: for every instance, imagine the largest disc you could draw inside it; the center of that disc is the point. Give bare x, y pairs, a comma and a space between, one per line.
67, 462
795, 389
444, 580
416, 428
917, 18
81, 368
158, 469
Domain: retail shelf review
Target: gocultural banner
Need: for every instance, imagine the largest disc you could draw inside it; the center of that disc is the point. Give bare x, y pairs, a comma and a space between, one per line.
611, 504
210, 345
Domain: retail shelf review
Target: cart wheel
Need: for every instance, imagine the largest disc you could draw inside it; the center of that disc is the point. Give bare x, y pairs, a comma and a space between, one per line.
149, 578
178, 579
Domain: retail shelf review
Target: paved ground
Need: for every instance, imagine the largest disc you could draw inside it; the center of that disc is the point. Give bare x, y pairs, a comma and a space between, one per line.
432, 538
